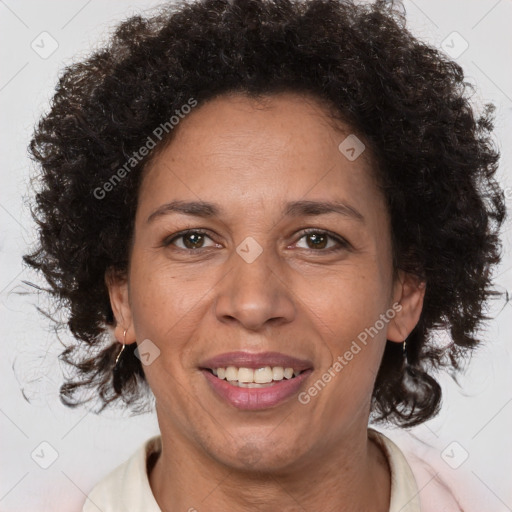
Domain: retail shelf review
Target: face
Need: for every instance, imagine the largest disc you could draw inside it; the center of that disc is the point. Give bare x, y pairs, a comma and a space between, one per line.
263, 279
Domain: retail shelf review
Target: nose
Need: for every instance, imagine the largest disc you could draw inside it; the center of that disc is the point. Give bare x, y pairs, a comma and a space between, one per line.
255, 292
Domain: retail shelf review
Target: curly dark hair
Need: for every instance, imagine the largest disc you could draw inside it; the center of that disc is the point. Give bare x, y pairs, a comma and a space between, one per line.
436, 166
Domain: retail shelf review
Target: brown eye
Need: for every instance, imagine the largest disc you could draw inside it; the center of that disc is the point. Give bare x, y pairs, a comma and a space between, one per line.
318, 241
193, 240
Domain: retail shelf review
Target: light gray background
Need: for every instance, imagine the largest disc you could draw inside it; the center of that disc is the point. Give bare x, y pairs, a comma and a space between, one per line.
477, 418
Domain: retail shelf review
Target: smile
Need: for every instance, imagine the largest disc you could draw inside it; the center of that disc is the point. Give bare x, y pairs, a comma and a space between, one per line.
255, 378
254, 395
254, 381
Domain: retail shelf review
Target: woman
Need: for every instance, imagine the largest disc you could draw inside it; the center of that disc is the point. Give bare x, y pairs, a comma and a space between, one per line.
273, 205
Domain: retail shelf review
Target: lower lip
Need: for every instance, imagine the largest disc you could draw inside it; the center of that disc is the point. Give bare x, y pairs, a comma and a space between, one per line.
256, 398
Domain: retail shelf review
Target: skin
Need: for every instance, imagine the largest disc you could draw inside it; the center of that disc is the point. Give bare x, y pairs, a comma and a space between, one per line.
251, 158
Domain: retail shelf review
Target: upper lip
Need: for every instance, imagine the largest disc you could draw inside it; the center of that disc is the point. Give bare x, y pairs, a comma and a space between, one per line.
256, 360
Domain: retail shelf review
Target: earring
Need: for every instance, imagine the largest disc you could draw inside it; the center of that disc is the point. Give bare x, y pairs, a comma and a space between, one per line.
122, 348
404, 351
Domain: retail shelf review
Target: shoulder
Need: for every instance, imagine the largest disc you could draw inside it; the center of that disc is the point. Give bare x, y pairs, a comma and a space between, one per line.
404, 490
436, 491
415, 484
435, 494
126, 488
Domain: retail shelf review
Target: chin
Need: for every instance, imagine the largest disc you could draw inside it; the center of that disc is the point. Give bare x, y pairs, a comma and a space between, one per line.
259, 454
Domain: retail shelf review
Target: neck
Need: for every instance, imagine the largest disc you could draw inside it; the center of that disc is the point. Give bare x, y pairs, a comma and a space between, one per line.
353, 477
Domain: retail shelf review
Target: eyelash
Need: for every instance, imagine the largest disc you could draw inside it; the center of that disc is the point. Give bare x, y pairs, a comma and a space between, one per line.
342, 243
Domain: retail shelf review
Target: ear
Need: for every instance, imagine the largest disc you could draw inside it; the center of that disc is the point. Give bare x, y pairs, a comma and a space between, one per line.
117, 285
409, 292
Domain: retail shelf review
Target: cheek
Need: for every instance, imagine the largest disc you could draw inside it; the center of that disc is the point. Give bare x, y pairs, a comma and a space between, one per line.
348, 301
167, 310
354, 322
162, 296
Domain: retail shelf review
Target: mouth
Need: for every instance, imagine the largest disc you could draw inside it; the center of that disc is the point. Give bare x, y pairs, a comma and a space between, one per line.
255, 381
254, 378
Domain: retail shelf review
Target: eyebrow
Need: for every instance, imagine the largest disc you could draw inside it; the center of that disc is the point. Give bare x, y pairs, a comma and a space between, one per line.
303, 208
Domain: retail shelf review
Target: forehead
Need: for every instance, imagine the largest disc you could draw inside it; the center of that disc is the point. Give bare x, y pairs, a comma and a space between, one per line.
252, 151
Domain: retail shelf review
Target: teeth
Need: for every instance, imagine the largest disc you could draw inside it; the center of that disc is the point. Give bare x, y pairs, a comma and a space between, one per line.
288, 373
278, 373
263, 375
231, 373
246, 377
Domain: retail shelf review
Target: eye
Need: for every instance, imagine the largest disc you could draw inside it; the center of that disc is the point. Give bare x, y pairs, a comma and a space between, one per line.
319, 241
193, 239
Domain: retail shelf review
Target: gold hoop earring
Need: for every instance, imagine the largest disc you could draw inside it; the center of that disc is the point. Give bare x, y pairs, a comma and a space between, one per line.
122, 348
